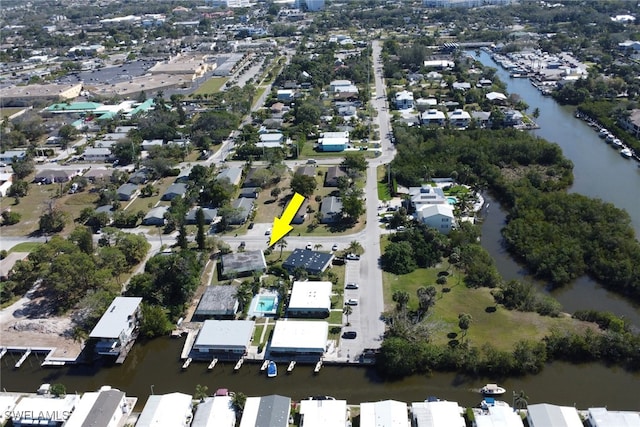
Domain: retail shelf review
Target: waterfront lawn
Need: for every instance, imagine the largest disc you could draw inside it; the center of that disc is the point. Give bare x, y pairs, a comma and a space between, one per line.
491, 323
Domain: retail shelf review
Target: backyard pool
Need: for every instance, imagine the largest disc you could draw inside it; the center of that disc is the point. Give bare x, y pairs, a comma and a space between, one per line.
452, 200
264, 304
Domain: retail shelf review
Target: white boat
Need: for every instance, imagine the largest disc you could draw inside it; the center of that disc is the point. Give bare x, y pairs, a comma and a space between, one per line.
617, 142
272, 369
626, 152
492, 390
603, 133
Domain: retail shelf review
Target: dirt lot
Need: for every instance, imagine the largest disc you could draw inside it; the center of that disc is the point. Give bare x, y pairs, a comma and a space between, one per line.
28, 323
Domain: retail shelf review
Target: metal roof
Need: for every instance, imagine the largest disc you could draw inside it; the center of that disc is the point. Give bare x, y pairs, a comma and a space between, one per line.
225, 333
116, 318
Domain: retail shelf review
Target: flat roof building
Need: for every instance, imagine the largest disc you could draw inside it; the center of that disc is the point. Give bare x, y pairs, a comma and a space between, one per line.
310, 299
323, 413
21, 96
43, 411
602, 417
223, 339
547, 415
312, 261
388, 413
168, 410
243, 262
302, 340
496, 414
117, 325
218, 302
436, 414
266, 411
215, 411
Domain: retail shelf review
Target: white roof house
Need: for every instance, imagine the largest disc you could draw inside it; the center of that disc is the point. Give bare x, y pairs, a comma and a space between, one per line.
7, 403
602, 417
105, 408
547, 415
439, 63
96, 154
459, 118
323, 413
270, 140
438, 216
437, 414
170, 410
388, 413
496, 96
433, 117
310, 299
228, 339
115, 327
233, 174
299, 337
497, 415
404, 100
215, 411
426, 195
46, 411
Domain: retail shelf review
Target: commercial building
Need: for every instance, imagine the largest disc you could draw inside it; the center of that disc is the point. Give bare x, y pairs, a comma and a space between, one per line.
310, 299
388, 413
324, 413
117, 326
312, 261
301, 340
266, 411
223, 339
218, 302
243, 263
170, 410
22, 96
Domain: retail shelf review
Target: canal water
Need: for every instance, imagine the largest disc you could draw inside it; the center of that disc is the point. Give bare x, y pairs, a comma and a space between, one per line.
154, 367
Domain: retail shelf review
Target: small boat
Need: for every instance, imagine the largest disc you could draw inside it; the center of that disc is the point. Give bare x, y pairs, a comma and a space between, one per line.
492, 390
603, 133
617, 142
272, 369
626, 152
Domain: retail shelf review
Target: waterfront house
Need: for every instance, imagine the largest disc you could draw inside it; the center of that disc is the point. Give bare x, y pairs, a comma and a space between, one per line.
438, 216
312, 261
602, 417
170, 410
300, 340
107, 407
43, 411
218, 302
266, 411
216, 411
243, 263
310, 299
126, 192
387, 413
223, 339
548, 415
324, 413
513, 118
117, 327
437, 414
631, 123
496, 413
496, 97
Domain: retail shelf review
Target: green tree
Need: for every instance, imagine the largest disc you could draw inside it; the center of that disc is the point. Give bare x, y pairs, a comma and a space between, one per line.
10, 218
520, 400
201, 392
52, 221
352, 207
303, 184
83, 237
347, 311
281, 244
18, 189
68, 133
200, 236
354, 163
23, 167
401, 298
398, 258
58, 390
275, 192
464, 321
154, 322
355, 248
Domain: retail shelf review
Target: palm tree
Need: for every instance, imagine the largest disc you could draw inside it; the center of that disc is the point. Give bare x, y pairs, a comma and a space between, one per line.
401, 298
317, 246
520, 400
347, 311
355, 248
282, 244
201, 392
238, 400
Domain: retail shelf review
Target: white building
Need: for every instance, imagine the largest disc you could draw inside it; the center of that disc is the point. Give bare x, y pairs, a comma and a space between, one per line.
310, 299
547, 415
433, 117
116, 327
167, 410
313, 5
602, 417
459, 118
228, 3
337, 86
426, 195
104, 408
96, 154
223, 339
271, 140
43, 411
439, 217
6, 181
404, 100
437, 414
299, 340
388, 413
496, 414
323, 413
215, 411
8, 156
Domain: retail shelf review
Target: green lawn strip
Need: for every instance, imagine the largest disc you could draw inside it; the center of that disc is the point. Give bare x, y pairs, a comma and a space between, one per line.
257, 333
25, 247
212, 85
383, 188
30, 208
335, 317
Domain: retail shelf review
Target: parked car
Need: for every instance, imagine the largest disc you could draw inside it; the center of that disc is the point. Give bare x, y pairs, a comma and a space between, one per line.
352, 285
309, 246
353, 257
351, 301
268, 232
334, 248
400, 228
349, 335
251, 224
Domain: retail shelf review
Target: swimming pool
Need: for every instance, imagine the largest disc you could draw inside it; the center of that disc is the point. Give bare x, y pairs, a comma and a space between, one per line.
452, 200
264, 305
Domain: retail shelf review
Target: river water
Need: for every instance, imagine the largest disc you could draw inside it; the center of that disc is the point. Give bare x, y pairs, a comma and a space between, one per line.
600, 172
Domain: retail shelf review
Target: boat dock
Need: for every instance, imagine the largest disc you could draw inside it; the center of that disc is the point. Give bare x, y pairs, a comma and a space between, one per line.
264, 365
124, 351
186, 363
318, 366
239, 364
292, 365
3, 351
49, 359
188, 343
23, 358
212, 364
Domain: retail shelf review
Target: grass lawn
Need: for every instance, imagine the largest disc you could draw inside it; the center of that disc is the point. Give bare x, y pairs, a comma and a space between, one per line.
308, 152
9, 111
491, 323
146, 203
335, 318
383, 189
212, 85
25, 247
31, 207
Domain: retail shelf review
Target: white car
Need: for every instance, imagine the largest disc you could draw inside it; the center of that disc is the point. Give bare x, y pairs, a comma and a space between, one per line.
268, 232
334, 248
351, 301
353, 257
309, 246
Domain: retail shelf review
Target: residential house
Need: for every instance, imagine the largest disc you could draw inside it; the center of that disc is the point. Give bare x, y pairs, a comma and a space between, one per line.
249, 192
299, 340
331, 210
251, 180
270, 140
243, 263
98, 174
433, 117
494, 413
301, 215
43, 411
437, 413
348, 112
333, 141
434, 76
387, 413
232, 174
155, 216
308, 170
266, 411
439, 64
210, 215
459, 118
285, 95
439, 217
49, 176
512, 118
170, 410
602, 417
325, 413
216, 411
497, 97
404, 100
461, 86
333, 173
175, 190
482, 118
631, 123
312, 261
148, 144
310, 299
343, 86
245, 207
117, 326
126, 192
6, 181
218, 302
223, 339
139, 177
547, 415
96, 154
423, 104
107, 407
270, 125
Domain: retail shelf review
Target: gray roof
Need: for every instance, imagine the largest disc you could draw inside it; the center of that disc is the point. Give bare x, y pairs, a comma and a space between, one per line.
333, 173
244, 205
116, 318
209, 215
218, 300
106, 405
225, 333
312, 261
243, 262
175, 190
308, 170
544, 414
330, 207
233, 174
273, 411
155, 215
127, 189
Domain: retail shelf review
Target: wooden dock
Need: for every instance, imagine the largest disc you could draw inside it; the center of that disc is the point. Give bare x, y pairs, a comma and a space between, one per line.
186, 363
23, 358
264, 365
212, 364
318, 366
3, 351
292, 365
239, 364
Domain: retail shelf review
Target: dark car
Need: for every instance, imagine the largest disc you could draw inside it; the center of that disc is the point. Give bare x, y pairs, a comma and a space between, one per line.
250, 226
349, 335
351, 285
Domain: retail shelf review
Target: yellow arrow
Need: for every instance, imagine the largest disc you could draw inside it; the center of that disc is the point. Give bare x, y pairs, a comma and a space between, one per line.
281, 226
